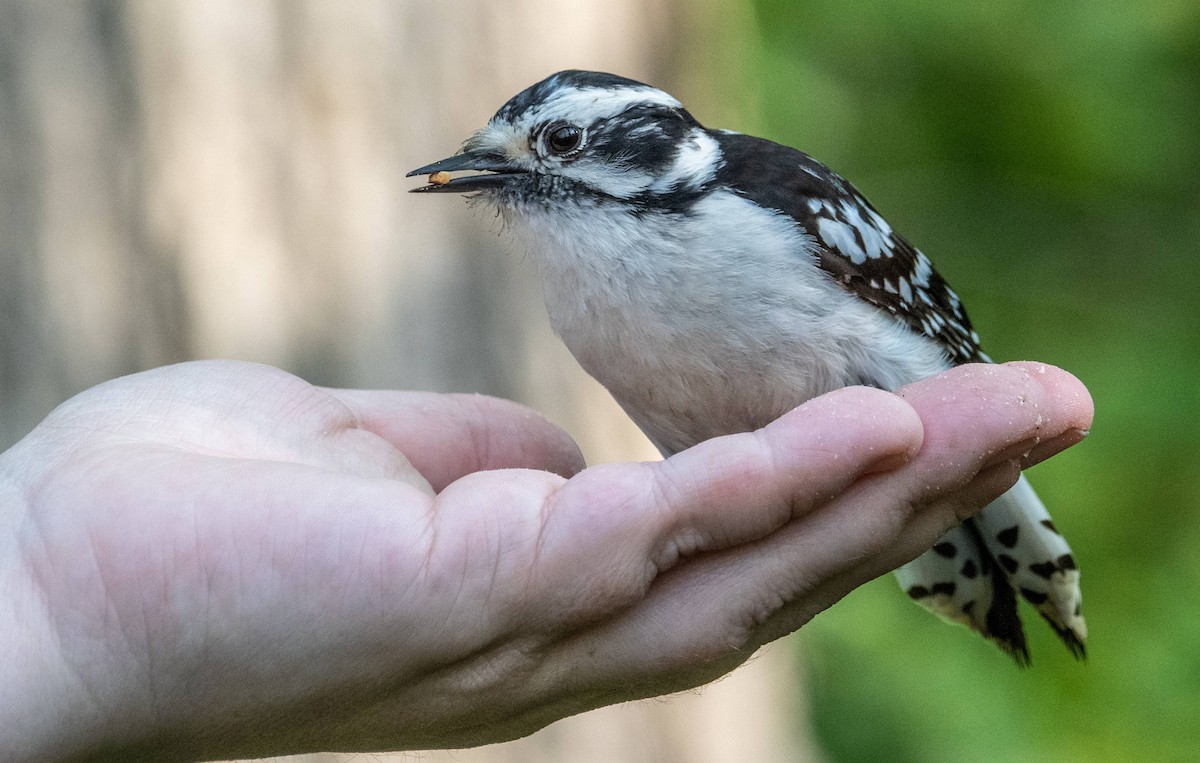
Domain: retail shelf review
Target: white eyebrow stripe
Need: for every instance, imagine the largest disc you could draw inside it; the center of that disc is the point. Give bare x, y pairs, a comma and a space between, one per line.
588, 104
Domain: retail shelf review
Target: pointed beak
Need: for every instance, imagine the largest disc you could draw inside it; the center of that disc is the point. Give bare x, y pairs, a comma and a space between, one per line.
479, 161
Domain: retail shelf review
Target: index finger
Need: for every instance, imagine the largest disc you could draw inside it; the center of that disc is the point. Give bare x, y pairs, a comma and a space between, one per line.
728, 490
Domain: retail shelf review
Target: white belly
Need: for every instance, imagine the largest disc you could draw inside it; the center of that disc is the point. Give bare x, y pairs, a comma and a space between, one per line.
713, 324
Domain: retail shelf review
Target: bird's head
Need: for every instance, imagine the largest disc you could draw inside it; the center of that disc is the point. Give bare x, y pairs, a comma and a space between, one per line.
589, 137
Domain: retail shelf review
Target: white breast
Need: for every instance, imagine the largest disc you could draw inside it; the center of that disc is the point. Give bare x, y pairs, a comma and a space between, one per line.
712, 323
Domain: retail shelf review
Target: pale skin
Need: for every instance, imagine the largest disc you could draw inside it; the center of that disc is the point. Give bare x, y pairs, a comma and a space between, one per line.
217, 560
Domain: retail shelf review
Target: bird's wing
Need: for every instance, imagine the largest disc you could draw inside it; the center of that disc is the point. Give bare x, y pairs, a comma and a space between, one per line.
972, 576
855, 245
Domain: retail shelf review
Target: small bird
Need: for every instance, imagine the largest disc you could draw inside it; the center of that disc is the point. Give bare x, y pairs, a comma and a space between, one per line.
712, 281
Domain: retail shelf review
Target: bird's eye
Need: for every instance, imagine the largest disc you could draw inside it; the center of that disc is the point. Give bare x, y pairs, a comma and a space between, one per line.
564, 139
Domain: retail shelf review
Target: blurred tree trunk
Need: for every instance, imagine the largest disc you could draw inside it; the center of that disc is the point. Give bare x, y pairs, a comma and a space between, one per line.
184, 179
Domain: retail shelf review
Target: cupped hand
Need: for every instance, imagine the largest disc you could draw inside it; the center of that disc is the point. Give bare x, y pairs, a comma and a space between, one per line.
217, 559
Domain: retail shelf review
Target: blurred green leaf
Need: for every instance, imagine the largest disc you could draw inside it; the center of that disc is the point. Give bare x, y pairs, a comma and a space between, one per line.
1047, 156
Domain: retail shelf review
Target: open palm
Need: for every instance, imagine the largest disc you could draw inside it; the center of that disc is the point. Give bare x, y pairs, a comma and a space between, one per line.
218, 559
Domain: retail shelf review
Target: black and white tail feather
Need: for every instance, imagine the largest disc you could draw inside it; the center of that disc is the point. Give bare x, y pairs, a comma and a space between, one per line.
973, 575
712, 281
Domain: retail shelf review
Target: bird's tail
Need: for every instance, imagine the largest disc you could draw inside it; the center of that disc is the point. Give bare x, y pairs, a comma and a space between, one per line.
973, 573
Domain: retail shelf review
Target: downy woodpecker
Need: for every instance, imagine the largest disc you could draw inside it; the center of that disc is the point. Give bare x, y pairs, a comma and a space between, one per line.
712, 281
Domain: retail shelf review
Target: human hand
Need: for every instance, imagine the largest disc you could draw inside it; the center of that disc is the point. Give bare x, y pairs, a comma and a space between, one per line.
217, 559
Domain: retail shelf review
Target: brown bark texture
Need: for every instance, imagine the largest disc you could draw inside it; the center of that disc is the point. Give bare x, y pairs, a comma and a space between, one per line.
183, 179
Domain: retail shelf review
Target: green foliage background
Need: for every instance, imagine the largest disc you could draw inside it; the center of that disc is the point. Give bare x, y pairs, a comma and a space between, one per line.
1046, 155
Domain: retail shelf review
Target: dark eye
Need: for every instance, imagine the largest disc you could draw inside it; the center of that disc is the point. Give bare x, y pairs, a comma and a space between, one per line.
562, 140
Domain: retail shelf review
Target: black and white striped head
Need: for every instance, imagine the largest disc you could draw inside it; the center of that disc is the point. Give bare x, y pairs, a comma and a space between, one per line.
587, 136
605, 143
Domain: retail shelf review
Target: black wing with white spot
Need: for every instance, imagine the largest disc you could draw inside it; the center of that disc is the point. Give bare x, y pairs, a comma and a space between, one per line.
856, 245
